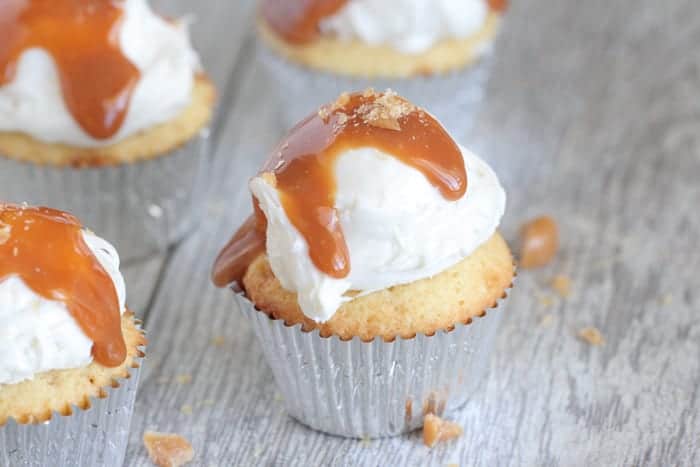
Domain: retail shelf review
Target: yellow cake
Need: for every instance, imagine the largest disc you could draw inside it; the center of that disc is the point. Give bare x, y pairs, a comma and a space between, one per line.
456, 295
355, 58
148, 144
34, 400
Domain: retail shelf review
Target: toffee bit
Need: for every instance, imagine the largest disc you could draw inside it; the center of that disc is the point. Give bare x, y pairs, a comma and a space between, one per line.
341, 101
591, 335
385, 111
323, 113
436, 430
168, 450
539, 242
342, 118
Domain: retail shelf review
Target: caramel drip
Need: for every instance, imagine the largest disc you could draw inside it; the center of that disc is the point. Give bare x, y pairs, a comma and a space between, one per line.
498, 6
303, 172
81, 36
297, 21
45, 248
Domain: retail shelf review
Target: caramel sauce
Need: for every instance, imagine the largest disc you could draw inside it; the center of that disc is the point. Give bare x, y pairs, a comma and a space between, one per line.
45, 248
302, 170
297, 21
81, 36
498, 6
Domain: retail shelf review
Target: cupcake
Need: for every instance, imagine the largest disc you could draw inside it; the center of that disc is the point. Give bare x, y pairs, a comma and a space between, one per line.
103, 112
70, 350
369, 264
433, 52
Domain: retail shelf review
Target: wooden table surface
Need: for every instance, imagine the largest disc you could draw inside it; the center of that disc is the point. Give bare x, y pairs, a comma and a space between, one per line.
592, 116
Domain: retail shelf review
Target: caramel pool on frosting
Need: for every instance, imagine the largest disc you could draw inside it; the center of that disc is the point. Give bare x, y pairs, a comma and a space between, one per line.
45, 248
297, 21
81, 36
302, 169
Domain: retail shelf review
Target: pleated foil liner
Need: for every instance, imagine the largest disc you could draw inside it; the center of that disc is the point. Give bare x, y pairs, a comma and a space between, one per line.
97, 436
454, 98
141, 207
373, 389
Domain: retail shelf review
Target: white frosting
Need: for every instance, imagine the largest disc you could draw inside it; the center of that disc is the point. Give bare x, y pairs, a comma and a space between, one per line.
409, 26
39, 335
32, 102
398, 228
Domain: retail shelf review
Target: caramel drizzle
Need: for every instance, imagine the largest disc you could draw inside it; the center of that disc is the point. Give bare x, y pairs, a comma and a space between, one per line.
97, 80
302, 170
45, 248
297, 21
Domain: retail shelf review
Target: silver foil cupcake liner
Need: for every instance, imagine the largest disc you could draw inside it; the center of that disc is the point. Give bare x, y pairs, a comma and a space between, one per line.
141, 207
373, 389
97, 436
454, 98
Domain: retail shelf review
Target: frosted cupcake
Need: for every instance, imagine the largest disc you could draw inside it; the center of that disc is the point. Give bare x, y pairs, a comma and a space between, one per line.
103, 112
70, 351
369, 264
433, 52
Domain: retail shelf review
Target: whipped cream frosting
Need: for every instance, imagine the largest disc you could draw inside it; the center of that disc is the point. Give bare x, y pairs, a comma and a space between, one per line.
398, 228
32, 103
409, 26
39, 335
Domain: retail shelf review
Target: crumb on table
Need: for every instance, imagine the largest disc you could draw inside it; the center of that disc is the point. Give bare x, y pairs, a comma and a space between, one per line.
561, 285
184, 379
168, 450
539, 242
436, 430
592, 335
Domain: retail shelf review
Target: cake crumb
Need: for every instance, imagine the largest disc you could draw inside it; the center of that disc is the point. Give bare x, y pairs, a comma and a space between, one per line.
666, 299
366, 441
546, 320
592, 335
562, 285
218, 341
539, 242
436, 430
186, 409
167, 450
184, 379
545, 300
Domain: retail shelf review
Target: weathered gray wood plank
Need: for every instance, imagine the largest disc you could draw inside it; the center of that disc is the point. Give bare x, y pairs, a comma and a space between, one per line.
592, 116
218, 33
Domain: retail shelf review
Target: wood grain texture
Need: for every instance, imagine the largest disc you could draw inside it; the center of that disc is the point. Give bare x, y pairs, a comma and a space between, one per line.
592, 116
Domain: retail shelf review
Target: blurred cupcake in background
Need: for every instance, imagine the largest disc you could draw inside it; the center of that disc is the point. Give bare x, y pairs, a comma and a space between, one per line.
433, 52
103, 112
369, 265
70, 350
